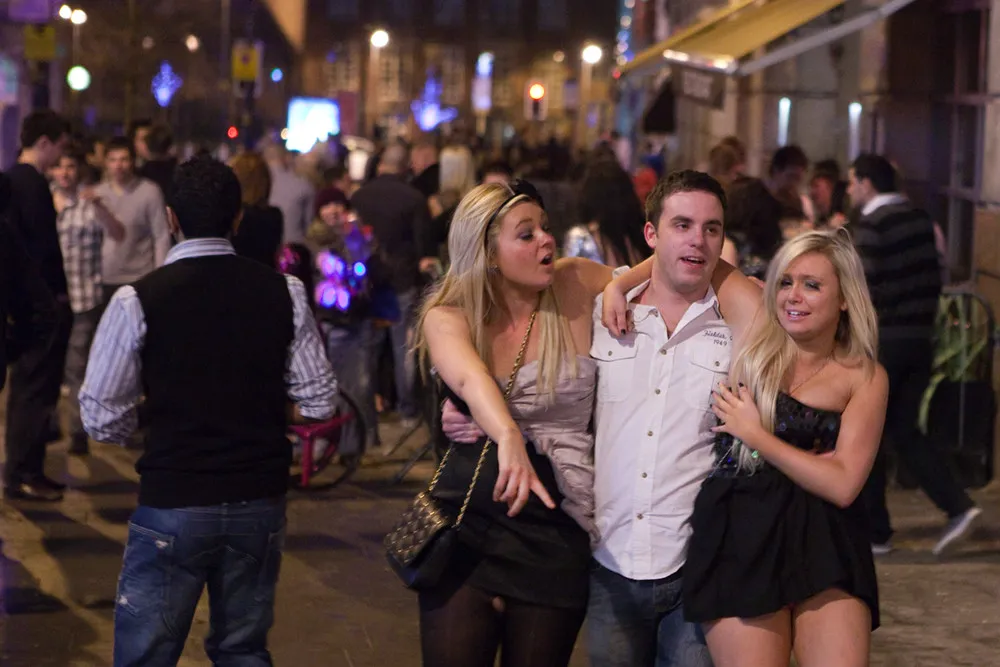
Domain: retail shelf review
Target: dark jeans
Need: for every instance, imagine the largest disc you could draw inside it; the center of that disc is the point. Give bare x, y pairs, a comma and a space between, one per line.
32, 394
402, 358
80, 338
641, 624
172, 554
908, 365
350, 352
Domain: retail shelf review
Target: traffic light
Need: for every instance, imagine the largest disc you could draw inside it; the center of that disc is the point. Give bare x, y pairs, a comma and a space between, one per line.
536, 102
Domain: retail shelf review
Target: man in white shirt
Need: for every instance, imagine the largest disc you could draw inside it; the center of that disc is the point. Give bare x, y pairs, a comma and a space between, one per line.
653, 433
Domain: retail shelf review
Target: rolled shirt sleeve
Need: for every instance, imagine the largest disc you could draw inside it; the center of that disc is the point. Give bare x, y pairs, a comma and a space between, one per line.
309, 377
112, 386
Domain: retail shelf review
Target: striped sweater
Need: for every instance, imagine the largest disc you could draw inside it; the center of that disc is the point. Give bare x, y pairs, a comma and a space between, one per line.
896, 244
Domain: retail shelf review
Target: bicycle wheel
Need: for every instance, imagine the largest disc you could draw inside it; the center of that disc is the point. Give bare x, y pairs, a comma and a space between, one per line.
339, 443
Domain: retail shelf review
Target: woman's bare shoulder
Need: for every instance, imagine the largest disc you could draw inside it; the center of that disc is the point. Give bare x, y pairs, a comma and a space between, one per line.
445, 316
862, 374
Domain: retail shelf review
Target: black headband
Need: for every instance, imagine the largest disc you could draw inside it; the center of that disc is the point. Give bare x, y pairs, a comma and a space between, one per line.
519, 188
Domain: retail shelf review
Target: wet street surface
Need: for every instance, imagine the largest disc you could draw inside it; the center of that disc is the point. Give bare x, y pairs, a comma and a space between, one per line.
339, 605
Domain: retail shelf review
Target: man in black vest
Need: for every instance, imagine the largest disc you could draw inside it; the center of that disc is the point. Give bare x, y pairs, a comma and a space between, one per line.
225, 351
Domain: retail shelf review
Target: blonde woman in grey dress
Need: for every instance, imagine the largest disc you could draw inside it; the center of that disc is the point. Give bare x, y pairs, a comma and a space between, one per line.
518, 582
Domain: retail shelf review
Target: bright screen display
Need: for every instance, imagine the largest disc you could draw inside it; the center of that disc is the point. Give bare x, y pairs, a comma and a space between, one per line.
311, 119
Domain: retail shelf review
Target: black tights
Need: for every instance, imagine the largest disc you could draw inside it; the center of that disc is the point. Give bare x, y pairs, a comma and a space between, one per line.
463, 628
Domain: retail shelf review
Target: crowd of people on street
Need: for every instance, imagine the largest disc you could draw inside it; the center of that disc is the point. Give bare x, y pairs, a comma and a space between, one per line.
665, 392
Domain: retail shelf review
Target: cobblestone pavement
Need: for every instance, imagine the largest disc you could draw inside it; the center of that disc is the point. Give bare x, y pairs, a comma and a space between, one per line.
338, 605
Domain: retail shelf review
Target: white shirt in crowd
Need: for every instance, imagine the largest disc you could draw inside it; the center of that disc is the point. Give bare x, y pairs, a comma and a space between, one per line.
653, 433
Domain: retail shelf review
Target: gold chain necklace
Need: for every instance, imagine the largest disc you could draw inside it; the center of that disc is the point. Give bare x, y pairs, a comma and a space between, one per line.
791, 392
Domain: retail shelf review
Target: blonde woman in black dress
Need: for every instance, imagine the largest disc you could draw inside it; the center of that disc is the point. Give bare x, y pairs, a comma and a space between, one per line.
779, 561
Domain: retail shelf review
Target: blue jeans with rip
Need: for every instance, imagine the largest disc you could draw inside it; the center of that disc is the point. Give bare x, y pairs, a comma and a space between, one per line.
172, 555
641, 624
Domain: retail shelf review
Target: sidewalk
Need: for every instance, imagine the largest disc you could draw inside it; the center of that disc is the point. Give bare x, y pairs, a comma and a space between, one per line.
339, 605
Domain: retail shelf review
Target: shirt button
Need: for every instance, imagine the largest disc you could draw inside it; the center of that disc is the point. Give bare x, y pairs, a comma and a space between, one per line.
656, 391
716, 363
644, 475
649, 433
663, 351
610, 353
639, 517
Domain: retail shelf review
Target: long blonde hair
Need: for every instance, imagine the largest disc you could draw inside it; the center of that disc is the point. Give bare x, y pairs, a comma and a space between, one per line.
770, 353
471, 286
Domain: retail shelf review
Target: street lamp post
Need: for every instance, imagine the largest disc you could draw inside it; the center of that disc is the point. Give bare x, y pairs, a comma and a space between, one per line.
590, 56
77, 18
379, 40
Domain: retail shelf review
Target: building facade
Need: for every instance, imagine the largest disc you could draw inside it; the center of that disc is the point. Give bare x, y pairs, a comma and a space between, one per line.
433, 57
918, 82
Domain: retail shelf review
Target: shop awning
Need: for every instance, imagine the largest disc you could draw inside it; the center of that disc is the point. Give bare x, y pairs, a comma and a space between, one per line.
721, 42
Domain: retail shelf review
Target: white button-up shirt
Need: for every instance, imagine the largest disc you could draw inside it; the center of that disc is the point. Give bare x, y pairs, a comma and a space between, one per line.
653, 426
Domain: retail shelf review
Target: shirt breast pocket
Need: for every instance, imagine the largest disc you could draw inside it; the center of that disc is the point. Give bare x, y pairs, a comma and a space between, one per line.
708, 365
617, 374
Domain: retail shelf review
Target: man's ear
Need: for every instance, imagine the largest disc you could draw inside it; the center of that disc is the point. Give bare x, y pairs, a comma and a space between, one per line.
173, 224
649, 231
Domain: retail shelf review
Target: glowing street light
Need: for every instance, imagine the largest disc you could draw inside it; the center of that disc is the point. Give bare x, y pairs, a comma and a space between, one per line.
65, 12
78, 78
192, 43
380, 39
592, 54
78, 17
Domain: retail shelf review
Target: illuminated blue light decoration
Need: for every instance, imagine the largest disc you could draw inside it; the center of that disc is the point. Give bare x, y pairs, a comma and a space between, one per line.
427, 110
342, 281
326, 294
277, 75
166, 83
343, 299
330, 265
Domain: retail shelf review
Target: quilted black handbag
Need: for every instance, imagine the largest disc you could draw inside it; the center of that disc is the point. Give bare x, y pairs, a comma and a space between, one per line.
421, 543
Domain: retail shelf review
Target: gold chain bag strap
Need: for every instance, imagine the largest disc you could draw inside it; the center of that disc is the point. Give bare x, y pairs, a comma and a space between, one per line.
420, 544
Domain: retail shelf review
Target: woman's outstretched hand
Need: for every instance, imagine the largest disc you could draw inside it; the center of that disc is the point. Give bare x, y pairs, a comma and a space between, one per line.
517, 479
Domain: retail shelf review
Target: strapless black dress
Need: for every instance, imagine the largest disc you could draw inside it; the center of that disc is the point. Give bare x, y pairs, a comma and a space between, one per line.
761, 543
